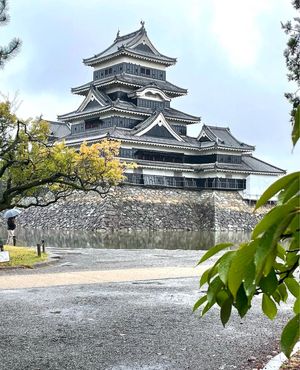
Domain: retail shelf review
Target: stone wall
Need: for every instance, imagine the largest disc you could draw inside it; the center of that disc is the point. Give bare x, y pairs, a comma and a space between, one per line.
139, 208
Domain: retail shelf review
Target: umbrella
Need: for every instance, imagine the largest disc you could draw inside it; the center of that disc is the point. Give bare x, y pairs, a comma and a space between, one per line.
12, 213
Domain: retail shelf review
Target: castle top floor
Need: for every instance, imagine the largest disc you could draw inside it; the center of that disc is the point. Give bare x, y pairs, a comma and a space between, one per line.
132, 53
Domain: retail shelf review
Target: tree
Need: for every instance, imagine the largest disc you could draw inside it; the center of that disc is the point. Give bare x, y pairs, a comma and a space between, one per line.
37, 172
7, 52
34, 171
292, 57
267, 264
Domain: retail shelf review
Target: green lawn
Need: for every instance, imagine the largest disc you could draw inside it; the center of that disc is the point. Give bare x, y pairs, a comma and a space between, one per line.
22, 256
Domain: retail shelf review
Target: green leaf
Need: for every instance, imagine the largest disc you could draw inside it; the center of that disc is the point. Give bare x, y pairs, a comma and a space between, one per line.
270, 260
221, 297
293, 286
199, 302
290, 190
226, 311
279, 267
239, 265
214, 287
294, 224
204, 276
272, 217
277, 297
212, 272
276, 187
264, 248
281, 252
283, 292
292, 257
269, 307
277, 215
207, 307
297, 305
296, 126
214, 250
290, 335
224, 265
269, 283
249, 280
241, 303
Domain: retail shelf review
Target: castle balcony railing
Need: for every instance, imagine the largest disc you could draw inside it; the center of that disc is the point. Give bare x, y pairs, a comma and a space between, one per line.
185, 182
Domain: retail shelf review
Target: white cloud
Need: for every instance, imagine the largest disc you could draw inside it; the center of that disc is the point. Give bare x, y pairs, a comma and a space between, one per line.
235, 25
48, 105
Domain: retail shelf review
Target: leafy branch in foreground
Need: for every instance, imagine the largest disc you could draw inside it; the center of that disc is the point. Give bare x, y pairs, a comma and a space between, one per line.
268, 264
265, 265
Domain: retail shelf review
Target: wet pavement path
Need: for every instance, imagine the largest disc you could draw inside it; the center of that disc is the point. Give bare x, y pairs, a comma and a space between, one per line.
144, 324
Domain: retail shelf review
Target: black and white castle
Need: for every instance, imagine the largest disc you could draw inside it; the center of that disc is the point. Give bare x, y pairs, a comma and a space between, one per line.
130, 99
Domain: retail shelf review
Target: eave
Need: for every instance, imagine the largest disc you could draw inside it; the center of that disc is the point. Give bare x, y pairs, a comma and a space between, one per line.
215, 148
114, 80
166, 61
246, 172
77, 115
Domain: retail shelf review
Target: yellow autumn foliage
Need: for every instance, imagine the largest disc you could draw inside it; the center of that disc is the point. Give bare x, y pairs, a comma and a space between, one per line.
33, 168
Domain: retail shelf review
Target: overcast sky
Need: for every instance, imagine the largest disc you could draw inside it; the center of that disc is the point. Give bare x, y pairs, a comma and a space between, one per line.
229, 57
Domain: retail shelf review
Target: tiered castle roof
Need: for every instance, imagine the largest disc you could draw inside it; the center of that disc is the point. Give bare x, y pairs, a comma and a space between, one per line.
135, 44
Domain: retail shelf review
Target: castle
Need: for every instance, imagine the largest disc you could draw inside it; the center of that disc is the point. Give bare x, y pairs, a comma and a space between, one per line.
130, 99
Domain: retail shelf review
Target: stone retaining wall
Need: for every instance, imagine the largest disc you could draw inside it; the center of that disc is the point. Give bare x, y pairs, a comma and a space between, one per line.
139, 208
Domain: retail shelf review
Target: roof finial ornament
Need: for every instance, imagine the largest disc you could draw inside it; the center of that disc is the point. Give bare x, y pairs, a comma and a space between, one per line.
142, 23
118, 33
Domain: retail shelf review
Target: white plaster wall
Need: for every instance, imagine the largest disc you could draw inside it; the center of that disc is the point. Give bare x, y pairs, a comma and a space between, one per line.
149, 171
256, 185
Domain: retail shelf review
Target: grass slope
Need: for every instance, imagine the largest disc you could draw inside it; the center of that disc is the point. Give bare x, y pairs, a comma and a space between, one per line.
22, 256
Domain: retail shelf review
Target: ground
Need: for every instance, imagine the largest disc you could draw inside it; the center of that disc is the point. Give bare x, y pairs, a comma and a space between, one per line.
145, 325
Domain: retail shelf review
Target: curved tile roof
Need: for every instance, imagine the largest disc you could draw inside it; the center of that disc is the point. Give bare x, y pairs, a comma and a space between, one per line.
126, 45
131, 80
223, 137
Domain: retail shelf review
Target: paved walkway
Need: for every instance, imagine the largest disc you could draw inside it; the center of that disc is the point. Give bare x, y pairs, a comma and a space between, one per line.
97, 277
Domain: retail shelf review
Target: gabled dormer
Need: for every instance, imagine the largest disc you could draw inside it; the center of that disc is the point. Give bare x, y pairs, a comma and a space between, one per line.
94, 100
156, 126
150, 97
223, 138
150, 92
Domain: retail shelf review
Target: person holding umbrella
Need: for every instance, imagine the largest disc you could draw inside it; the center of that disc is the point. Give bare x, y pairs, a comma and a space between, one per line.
11, 226
11, 215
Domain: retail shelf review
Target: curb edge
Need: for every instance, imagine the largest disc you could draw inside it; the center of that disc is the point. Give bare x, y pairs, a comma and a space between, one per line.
278, 360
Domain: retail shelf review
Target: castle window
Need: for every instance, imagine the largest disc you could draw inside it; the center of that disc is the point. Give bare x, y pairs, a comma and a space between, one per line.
145, 71
92, 124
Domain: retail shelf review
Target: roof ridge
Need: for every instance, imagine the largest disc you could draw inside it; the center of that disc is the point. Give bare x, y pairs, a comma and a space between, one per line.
128, 35
100, 94
210, 131
218, 127
148, 120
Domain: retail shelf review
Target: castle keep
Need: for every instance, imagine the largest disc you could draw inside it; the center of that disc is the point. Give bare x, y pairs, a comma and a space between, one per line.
181, 182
